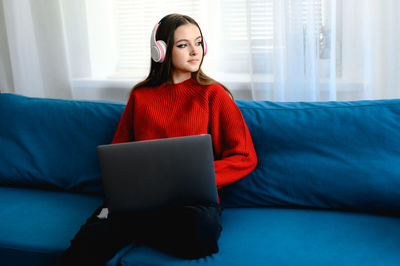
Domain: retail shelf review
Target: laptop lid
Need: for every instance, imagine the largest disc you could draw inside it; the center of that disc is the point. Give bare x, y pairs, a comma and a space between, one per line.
145, 175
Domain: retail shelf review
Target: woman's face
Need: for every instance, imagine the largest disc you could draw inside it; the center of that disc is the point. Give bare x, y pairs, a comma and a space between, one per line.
187, 52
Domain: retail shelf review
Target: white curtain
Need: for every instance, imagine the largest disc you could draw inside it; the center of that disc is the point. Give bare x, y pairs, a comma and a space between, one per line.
278, 50
33, 49
319, 50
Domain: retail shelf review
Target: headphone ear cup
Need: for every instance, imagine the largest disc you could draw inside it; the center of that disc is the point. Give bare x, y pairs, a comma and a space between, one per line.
158, 51
163, 50
205, 46
157, 48
155, 53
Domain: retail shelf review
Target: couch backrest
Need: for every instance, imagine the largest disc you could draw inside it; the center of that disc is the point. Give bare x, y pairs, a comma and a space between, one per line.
343, 155
52, 143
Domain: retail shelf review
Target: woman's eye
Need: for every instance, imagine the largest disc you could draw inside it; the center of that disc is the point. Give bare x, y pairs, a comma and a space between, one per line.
198, 43
182, 45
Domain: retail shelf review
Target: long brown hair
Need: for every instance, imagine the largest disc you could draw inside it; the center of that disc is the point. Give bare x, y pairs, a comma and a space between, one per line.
162, 72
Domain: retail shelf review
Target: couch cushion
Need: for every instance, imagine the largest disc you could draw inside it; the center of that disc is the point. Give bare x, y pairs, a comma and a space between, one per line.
270, 236
342, 155
37, 225
52, 143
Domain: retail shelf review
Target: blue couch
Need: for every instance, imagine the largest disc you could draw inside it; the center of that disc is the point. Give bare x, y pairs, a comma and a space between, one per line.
326, 190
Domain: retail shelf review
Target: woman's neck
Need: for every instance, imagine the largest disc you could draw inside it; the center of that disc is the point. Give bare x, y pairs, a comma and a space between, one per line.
178, 77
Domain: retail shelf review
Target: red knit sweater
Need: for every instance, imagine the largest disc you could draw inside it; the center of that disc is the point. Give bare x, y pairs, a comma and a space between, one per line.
187, 108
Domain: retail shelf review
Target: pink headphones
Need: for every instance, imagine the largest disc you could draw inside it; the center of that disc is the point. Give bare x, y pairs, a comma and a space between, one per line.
159, 48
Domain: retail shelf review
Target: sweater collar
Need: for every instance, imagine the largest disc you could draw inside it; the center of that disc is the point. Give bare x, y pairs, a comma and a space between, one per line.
183, 84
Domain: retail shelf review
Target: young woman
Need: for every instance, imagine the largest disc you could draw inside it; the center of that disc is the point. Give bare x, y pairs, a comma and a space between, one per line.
176, 99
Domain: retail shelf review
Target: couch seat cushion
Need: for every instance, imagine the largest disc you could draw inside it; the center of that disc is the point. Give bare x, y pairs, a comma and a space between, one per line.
37, 225
270, 236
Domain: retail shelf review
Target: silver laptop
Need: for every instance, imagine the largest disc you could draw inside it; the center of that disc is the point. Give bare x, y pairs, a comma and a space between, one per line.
145, 175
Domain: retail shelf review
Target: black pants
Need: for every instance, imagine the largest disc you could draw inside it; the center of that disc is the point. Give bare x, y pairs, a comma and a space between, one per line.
189, 231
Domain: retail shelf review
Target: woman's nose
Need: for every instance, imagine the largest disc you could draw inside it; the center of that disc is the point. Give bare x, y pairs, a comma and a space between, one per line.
193, 50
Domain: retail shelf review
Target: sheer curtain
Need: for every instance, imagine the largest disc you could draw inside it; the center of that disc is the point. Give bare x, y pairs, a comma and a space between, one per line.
33, 49
313, 50
278, 50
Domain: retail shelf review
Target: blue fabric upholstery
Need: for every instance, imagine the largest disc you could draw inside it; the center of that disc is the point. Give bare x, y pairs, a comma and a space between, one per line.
341, 155
333, 155
273, 236
48, 142
37, 225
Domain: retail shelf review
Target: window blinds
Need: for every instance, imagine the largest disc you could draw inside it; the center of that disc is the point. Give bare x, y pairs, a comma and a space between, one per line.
246, 37
249, 29
133, 23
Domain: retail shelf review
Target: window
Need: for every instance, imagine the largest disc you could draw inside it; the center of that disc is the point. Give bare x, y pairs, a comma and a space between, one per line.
252, 26
245, 34
249, 30
122, 28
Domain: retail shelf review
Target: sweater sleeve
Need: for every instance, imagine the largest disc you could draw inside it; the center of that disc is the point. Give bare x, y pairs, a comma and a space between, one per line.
234, 154
124, 131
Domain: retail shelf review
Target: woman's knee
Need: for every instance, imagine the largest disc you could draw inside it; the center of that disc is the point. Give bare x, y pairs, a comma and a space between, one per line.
208, 231
190, 231
204, 233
